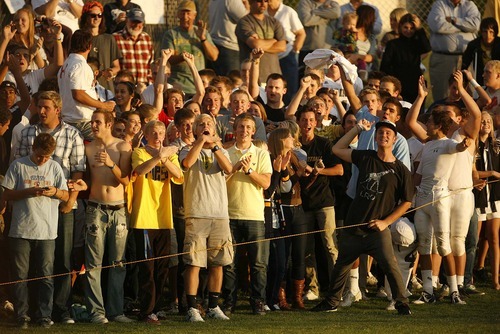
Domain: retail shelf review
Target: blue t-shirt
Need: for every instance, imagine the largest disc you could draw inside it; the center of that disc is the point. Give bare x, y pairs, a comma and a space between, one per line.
34, 218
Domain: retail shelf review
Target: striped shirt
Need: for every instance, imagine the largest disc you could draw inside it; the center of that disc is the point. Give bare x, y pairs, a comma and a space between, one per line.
69, 152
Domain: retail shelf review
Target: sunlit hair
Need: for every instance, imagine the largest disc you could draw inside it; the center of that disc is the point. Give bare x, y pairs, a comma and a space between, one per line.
495, 65
31, 27
368, 91
154, 124
294, 130
51, 96
243, 117
275, 141
203, 118
108, 115
398, 13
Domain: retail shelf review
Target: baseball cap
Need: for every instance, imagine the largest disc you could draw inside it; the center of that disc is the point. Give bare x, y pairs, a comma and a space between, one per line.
387, 124
7, 84
187, 5
403, 232
136, 14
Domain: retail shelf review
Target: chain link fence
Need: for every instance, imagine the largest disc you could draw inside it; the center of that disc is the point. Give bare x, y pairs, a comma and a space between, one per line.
419, 7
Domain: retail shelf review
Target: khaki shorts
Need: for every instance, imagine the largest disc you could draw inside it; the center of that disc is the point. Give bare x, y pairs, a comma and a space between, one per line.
212, 234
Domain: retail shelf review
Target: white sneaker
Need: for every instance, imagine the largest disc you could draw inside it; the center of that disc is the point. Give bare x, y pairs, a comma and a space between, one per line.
350, 298
381, 293
193, 315
416, 283
391, 306
371, 280
267, 308
216, 313
310, 296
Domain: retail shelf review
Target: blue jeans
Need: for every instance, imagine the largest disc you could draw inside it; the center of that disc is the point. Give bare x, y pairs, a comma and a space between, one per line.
277, 267
227, 61
63, 264
296, 224
290, 69
43, 260
258, 257
105, 230
470, 249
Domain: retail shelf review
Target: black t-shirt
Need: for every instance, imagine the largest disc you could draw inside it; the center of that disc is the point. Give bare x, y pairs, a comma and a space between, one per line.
317, 195
381, 187
275, 115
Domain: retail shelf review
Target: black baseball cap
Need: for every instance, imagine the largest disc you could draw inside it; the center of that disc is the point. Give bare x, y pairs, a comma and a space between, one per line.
387, 124
7, 84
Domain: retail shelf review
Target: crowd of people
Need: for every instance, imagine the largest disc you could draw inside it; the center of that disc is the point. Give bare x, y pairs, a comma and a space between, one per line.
242, 137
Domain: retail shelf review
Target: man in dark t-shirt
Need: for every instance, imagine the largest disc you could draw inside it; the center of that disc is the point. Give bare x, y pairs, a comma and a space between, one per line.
384, 193
317, 199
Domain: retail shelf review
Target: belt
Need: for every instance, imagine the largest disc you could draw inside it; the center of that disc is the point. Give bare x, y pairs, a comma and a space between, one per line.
448, 53
105, 206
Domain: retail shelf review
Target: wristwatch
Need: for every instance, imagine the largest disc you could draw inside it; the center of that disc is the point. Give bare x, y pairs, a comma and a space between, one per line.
249, 171
215, 148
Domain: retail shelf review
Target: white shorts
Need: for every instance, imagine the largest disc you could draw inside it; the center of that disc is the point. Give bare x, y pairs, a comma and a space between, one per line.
488, 212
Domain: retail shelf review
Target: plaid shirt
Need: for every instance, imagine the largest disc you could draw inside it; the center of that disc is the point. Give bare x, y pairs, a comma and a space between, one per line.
69, 152
137, 55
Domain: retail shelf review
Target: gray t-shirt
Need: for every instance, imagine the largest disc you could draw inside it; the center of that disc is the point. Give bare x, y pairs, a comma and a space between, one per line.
269, 28
34, 218
205, 192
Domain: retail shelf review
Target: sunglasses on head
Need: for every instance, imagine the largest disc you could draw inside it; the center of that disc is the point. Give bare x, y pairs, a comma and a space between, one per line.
95, 16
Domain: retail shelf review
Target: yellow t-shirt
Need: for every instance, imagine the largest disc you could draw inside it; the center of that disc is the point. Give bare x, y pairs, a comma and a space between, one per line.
151, 201
245, 198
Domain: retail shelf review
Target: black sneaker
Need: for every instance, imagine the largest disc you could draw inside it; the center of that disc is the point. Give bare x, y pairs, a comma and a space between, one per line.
481, 275
45, 322
402, 308
324, 306
258, 308
227, 308
23, 323
455, 298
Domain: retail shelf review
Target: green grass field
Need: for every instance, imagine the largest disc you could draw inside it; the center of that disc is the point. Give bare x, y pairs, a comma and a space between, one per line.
480, 315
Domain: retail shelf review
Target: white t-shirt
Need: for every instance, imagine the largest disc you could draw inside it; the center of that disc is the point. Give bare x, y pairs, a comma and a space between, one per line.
63, 12
75, 74
290, 21
32, 79
437, 161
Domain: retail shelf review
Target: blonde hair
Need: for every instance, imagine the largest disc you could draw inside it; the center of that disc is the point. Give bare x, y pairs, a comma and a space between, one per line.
30, 34
200, 118
294, 131
398, 13
495, 65
349, 16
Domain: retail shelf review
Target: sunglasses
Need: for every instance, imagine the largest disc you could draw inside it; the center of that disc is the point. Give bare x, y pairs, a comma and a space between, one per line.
261, 0
95, 16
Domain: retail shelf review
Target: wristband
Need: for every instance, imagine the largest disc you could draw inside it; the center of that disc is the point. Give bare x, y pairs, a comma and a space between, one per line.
249, 171
215, 148
474, 84
203, 40
361, 129
111, 167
